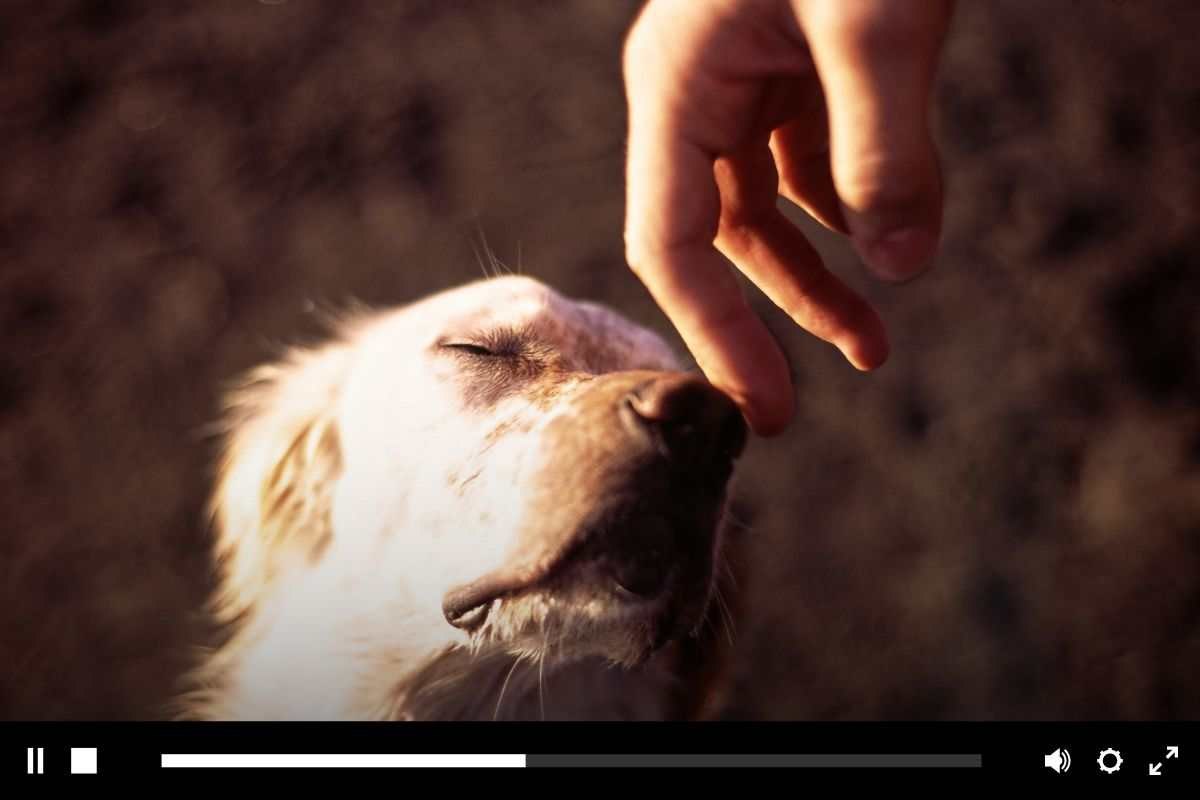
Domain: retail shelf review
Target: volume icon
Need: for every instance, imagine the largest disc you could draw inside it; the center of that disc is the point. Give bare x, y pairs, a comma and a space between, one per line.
1059, 760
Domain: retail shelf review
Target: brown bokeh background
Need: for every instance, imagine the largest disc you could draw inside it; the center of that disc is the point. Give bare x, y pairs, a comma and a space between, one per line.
1003, 522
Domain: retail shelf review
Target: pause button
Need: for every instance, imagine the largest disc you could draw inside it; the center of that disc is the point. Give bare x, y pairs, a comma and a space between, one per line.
83, 761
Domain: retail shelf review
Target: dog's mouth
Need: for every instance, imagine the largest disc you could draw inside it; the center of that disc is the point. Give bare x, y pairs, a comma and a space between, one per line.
631, 560
633, 578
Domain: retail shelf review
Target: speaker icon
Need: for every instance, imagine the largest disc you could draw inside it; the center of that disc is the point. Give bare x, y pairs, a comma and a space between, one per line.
1059, 760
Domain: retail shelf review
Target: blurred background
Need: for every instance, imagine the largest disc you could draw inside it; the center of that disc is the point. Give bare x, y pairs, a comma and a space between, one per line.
1002, 523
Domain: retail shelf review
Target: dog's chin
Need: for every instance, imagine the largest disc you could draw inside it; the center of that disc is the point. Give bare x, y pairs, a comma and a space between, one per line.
636, 573
590, 615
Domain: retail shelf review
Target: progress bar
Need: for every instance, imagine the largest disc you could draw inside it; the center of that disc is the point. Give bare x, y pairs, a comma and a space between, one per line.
459, 760
336, 760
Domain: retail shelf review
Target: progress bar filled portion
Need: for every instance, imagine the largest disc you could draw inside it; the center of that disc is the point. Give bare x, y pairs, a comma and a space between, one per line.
337, 760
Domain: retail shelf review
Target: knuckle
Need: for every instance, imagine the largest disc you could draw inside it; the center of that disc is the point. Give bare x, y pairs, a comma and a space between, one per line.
629, 56
634, 51
635, 266
637, 255
883, 184
874, 29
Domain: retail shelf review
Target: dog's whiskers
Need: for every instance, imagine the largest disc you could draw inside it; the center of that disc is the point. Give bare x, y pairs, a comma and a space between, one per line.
732, 519
479, 261
497, 267
726, 616
494, 267
728, 574
504, 687
542, 681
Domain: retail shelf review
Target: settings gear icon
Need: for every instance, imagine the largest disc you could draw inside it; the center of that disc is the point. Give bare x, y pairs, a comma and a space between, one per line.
1109, 761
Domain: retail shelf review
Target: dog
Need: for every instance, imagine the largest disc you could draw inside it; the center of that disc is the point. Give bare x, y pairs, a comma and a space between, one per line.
496, 502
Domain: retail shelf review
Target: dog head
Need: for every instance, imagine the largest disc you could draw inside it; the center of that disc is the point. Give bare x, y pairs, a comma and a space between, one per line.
496, 467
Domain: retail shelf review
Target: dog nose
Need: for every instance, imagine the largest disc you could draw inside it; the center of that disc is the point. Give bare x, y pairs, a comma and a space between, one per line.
690, 417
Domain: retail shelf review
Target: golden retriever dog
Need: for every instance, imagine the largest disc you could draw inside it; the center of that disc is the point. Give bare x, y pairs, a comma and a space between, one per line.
494, 503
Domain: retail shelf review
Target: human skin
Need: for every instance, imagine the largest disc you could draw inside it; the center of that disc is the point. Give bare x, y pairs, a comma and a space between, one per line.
733, 103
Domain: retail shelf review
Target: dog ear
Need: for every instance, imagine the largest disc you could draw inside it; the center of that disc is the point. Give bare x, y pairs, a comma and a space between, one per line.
281, 460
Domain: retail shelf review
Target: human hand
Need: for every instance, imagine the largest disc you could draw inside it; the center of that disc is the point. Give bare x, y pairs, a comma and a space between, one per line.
735, 102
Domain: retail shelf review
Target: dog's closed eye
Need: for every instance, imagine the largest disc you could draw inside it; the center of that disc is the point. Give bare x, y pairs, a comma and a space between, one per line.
495, 362
497, 343
470, 348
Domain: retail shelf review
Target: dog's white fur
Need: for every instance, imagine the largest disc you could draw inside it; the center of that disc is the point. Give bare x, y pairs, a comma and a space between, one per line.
360, 480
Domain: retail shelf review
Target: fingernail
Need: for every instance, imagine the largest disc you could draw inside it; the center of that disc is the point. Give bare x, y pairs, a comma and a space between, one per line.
901, 254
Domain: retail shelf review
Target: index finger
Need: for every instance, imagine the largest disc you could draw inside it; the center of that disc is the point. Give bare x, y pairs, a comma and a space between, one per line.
672, 214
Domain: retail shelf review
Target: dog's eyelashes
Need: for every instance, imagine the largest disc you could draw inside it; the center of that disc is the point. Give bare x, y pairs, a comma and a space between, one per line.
499, 343
470, 348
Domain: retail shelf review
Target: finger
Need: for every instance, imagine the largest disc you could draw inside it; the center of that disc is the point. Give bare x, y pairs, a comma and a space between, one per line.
876, 61
805, 177
800, 146
774, 254
675, 258
693, 76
